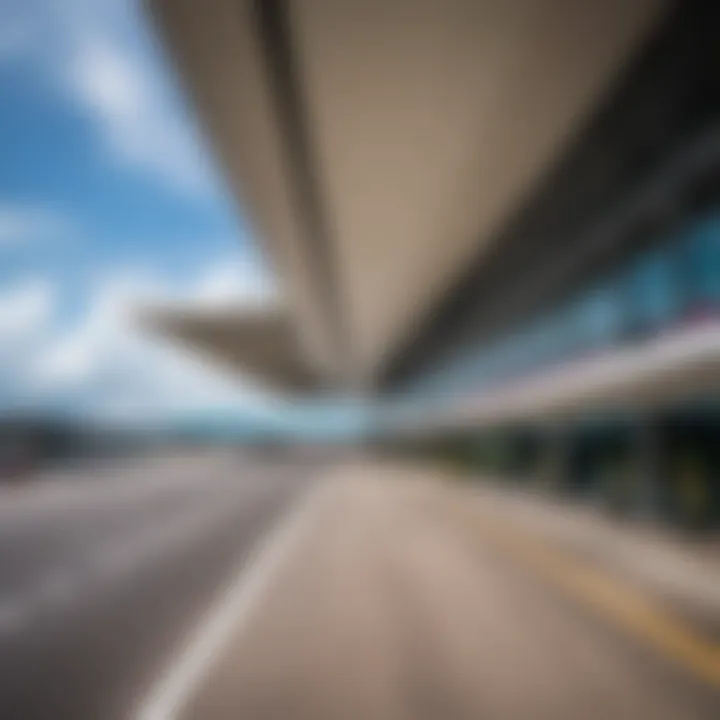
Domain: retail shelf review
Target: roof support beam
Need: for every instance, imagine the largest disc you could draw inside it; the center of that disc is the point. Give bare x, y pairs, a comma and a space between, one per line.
274, 27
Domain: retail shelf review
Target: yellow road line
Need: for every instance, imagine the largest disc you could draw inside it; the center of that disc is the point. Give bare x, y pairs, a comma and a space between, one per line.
622, 604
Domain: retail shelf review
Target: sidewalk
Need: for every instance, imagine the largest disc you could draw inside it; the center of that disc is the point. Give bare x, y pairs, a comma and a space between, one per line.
679, 571
404, 600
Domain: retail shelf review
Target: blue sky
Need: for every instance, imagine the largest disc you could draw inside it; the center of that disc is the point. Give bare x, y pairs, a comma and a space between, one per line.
108, 202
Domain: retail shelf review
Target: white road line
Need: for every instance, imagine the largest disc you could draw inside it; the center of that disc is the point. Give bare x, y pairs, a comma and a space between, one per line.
229, 615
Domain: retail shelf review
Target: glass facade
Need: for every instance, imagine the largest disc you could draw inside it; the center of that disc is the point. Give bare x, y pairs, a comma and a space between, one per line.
701, 266
653, 293
672, 284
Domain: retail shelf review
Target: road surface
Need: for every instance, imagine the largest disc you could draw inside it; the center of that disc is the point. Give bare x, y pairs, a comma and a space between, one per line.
212, 588
101, 577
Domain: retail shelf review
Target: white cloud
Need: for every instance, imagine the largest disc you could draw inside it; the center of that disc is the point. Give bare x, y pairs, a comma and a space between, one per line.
112, 367
106, 367
133, 116
25, 311
108, 82
21, 224
227, 284
70, 359
99, 54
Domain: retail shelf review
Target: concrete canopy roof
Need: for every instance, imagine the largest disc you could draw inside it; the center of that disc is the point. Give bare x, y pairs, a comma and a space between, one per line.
261, 341
378, 146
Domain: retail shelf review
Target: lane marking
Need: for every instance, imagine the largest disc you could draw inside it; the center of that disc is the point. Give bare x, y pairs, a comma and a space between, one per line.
230, 613
628, 608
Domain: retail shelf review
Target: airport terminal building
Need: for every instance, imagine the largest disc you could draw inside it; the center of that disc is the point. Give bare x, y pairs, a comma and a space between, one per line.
499, 220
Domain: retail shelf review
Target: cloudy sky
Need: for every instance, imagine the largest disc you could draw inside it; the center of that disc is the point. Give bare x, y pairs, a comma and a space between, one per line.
108, 202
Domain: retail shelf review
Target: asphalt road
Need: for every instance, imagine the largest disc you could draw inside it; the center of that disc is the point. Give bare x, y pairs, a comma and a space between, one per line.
214, 588
102, 574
